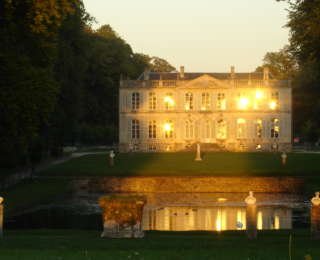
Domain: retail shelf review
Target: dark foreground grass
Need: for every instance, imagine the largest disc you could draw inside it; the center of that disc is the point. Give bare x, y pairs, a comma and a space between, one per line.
181, 164
78, 245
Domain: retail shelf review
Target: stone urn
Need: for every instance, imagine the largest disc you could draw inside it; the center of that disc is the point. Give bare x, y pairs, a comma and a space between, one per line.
122, 216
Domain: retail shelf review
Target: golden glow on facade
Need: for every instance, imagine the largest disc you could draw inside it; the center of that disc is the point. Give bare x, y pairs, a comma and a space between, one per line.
167, 127
243, 103
259, 94
276, 222
169, 100
273, 105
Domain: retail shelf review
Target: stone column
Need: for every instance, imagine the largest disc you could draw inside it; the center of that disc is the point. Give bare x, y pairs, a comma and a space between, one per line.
1, 217
251, 216
315, 217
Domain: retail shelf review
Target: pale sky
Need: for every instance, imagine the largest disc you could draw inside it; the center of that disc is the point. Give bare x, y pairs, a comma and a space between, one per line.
202, 35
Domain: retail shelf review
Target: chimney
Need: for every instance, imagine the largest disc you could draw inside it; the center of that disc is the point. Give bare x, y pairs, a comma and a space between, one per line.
181, 72
232, 72
265, 73
146, 75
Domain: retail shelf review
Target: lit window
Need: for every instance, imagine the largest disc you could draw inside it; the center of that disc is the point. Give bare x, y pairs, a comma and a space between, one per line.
189, 129
135, 101
205, 101
275, 128
135, 129
258, 99
241, 128
221, 101
221, 129
152, 129
207, 129
189, 101
152, 148
243, 102
152, 101
274, 103
258, 128
168, 129
168, 101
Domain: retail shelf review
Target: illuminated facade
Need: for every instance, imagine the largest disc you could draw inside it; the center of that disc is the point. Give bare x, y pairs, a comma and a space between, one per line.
221, 111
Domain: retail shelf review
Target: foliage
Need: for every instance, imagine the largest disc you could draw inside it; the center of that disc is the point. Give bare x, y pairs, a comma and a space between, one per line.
59, 79
281, 64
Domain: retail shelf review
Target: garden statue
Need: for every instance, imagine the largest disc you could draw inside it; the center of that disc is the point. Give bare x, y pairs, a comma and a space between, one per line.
198, 156
122, 216
284, 158
250, 200
111, 156
316, 200
1, 217
315, 217
251, 216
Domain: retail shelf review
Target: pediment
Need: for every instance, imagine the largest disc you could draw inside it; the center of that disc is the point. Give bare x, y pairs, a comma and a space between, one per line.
204, 81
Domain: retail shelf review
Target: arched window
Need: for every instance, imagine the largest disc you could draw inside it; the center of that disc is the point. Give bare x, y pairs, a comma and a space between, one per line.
135, 129
221, 129
207, 129
241, 128
135, 101
258, 128
152, 129
221, 101
275, 128
205, 101
189, 129
152, 101
168, 101
168, 129
189, 101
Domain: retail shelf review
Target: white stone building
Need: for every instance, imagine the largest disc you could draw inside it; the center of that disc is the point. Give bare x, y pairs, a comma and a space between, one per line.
221, 111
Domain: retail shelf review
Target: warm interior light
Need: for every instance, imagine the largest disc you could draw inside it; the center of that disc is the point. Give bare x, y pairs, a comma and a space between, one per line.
167, 127
169, 100
241, 121
243, 103
222, 199
273, 105
259, 94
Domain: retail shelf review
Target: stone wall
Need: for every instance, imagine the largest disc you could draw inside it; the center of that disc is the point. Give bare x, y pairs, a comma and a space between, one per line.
192, 184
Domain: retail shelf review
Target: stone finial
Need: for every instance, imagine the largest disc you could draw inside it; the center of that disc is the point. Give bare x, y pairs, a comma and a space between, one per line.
265, 73
316, 199
284, 158
250, 200
182, 72
232, 71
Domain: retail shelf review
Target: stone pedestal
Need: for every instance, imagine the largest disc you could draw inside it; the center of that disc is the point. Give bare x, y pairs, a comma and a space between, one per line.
251, 218
122, 216
315, 222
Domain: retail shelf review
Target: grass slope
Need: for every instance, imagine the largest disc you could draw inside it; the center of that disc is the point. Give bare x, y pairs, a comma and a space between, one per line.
168, 164
71, 244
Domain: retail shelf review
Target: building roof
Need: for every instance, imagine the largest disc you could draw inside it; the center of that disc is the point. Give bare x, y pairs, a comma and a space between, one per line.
194, 75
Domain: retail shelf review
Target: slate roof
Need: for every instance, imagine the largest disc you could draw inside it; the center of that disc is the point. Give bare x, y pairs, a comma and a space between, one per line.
191, 75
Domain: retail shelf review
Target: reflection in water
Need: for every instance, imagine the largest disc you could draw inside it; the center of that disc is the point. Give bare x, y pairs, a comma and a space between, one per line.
218, 218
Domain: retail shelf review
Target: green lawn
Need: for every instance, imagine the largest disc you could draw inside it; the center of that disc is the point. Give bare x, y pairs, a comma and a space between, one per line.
169, 164
78, 245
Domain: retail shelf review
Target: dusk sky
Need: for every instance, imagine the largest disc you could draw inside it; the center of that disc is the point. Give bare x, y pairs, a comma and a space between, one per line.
203, 35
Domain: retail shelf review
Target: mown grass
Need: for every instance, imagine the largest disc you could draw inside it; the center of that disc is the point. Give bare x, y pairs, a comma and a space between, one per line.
71, 244
180, 164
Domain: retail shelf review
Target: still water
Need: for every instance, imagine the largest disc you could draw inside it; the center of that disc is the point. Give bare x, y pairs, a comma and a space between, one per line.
177, 212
